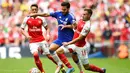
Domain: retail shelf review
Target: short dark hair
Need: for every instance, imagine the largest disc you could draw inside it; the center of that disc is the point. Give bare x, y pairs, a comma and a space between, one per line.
67, 4
35, 5
89, 11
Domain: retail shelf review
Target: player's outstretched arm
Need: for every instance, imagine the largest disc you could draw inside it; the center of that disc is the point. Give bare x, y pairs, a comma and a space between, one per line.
73, 26
40, 14
75, 40
82, 35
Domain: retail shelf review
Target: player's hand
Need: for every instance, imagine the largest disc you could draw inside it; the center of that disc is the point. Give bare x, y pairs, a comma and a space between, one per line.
62, 26
47, 38
65, 43
29, 37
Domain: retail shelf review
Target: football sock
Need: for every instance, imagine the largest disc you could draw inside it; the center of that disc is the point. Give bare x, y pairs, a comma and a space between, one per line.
79, 66
65, 60
56, 58
95, 68
76, 60
38, 62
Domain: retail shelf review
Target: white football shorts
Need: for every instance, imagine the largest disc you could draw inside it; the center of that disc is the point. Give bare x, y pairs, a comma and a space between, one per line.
43, 45
81, 52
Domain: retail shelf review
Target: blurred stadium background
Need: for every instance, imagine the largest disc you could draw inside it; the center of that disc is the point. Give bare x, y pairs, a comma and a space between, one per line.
109, 38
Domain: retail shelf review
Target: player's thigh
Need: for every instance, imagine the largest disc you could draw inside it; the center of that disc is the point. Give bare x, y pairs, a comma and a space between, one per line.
60, 50
45, 47
33, 47
75, 57
69, 48
86, 66
83, 55
54, 47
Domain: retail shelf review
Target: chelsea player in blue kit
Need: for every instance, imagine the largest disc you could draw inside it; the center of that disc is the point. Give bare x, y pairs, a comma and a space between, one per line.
66, 22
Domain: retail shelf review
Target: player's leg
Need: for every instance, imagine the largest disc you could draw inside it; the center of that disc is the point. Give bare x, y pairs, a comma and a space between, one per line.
94, 68
53, 47
45, 50
60, 52
82, 52
77, 61
34, 51
38, 62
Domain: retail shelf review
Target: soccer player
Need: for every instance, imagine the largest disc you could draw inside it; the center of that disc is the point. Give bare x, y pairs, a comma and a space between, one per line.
78, 43
66, 21
35, 36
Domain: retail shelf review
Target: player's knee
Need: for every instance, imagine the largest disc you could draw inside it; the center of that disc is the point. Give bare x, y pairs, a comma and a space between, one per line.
75, 58
52, 52
74, 53
35, 55
57, 52
76, 61
49, 56
86, 67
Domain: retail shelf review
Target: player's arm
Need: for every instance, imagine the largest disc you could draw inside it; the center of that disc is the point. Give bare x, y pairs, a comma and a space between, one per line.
53, 14
82, 35
72, 24
40, 14
47, 33
79, 38
24, 33
23, 27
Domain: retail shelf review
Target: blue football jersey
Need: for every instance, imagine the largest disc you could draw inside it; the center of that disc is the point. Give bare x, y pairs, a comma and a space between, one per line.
65, 34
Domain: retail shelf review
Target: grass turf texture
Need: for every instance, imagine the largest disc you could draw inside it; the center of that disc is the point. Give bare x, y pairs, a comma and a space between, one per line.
23, 65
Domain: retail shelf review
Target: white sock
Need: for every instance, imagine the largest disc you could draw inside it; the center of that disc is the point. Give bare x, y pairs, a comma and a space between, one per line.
79, 66
56, 58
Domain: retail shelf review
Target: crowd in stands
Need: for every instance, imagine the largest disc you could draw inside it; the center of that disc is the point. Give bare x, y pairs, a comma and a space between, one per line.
110, 20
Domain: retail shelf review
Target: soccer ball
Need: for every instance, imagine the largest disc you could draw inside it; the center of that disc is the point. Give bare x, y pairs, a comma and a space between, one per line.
34, 70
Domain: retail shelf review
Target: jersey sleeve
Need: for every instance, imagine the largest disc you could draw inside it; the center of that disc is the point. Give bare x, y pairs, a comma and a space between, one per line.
54, 14
23, 25
85, 29
72, 19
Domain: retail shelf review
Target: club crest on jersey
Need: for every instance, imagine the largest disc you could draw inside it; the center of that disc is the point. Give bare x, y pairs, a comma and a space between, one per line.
59, 17
39, 22
29, 22
64, 23
66, 19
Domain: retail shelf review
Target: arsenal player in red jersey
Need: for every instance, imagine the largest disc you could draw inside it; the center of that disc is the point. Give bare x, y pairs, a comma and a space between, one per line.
78, 44
35, 36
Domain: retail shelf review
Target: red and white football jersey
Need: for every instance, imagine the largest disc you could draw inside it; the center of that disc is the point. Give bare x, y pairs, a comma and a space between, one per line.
35, 28
83, 28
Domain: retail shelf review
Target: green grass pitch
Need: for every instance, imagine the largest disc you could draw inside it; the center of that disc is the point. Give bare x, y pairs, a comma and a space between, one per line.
23, 65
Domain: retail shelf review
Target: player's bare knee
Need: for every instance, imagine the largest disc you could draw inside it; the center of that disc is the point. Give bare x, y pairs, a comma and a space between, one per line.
48, 55
54, 47
86, 66
59, 51
51, 52
35, 54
